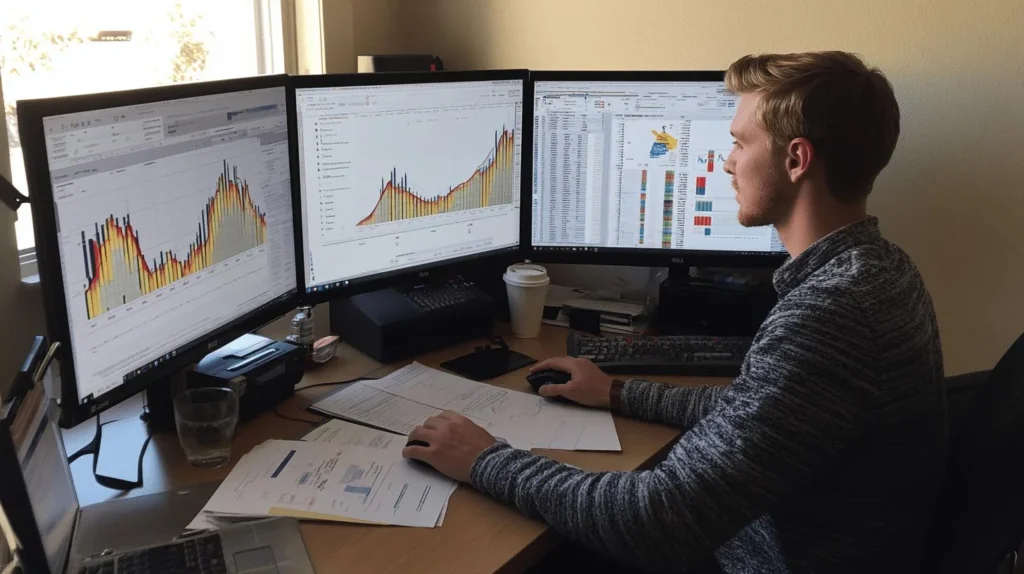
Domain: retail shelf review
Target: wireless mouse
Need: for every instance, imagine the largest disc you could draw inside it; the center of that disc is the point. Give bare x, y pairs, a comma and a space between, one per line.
547, 377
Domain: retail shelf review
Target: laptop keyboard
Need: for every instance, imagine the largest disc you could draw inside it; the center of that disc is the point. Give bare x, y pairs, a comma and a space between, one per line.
202, 554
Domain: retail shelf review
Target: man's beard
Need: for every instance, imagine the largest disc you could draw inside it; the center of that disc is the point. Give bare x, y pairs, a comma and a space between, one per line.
766, 206
770, 205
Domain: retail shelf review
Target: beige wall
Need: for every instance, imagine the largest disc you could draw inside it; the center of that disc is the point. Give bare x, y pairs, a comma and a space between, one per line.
953, 196
354, 27
338, 23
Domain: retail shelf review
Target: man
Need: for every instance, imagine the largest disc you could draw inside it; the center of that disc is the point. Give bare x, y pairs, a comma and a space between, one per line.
826, 453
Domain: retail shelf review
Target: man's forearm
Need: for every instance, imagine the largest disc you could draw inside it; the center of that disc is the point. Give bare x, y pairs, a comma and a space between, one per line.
656, 402
616, 512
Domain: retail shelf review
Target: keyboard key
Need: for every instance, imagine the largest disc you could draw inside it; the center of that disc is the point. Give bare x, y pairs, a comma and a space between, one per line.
678, 355
204, 554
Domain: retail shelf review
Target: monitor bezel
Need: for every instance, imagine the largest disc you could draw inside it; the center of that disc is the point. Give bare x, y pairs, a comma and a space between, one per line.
313, 295
627, 255
30, 120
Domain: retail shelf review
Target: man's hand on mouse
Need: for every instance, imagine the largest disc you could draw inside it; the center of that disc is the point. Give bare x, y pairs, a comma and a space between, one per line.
455, 443
589, 385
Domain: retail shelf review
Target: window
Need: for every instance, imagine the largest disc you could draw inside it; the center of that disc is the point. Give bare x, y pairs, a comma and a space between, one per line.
54, 48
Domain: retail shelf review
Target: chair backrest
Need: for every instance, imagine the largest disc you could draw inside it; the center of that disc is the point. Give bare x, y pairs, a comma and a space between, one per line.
980, 516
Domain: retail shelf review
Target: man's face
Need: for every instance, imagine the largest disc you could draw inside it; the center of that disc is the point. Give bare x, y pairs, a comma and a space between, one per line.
763, 190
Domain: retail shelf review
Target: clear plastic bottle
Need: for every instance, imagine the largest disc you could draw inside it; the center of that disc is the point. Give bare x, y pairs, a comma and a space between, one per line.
302, 329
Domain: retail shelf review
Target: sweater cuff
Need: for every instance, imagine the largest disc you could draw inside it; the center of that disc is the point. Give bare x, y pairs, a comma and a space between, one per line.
627, 397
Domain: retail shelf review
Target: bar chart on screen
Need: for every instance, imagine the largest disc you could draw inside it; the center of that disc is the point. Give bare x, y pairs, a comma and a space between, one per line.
407, 174
492, 183
119, 271
126, 229
713, 220
400, 171
709, 159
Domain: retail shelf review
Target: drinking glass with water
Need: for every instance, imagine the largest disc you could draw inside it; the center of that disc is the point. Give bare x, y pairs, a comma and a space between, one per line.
206, 419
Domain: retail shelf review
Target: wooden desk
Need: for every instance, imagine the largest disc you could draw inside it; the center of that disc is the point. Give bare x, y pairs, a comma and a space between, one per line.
479, 534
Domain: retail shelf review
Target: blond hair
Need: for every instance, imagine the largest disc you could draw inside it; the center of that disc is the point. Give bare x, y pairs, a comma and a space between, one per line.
845, 109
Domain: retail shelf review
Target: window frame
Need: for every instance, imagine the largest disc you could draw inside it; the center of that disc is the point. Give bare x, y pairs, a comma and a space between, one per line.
269, 14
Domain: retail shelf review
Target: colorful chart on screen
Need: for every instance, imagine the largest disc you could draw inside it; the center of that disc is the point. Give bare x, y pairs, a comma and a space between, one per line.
637, 165
405, 175
119, 270
491, 183
174, 219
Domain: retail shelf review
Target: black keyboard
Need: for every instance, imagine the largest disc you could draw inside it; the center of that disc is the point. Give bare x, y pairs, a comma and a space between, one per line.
698, 355
441, 295
202, 555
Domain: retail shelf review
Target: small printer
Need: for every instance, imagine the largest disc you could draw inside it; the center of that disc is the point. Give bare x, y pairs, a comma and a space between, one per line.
262, 372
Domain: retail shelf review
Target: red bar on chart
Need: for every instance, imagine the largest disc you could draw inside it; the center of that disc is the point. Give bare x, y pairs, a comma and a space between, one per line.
711, 160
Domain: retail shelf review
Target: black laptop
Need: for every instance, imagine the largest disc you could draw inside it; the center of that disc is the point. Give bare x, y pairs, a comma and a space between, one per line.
47, 531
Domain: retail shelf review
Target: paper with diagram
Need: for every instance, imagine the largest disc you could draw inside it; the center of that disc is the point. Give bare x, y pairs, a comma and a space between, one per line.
337, 431
330, 481
405, 398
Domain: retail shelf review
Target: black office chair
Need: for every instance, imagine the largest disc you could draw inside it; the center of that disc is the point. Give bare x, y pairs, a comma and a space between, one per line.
980, 518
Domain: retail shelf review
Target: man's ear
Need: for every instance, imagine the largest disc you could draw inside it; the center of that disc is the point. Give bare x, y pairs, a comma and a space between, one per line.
799, 156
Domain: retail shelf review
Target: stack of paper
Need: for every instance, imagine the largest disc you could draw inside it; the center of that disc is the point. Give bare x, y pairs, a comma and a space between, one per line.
616, 315
341, 472
404, 399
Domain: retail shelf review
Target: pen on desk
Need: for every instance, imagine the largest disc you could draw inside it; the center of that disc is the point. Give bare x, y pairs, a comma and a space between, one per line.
191, 533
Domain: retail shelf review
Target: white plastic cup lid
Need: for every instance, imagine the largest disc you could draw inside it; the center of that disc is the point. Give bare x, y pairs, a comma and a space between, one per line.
526, 275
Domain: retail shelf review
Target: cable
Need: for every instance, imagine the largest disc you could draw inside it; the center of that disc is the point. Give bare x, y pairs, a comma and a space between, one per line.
355, 380
296, 419
93, 448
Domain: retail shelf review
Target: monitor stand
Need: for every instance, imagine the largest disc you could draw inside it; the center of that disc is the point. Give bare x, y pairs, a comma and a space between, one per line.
397, 322
722, 302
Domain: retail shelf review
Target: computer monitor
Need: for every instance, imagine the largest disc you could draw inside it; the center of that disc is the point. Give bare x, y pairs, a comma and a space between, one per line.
401, 173
628, 169
164, 228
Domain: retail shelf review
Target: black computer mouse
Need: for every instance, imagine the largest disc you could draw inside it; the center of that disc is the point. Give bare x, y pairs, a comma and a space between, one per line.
416, 460
547, 377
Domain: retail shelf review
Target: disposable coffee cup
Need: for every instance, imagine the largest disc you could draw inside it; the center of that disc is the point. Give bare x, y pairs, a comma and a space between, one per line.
527, 285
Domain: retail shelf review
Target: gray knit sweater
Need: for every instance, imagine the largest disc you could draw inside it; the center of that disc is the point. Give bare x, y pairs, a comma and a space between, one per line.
824, 455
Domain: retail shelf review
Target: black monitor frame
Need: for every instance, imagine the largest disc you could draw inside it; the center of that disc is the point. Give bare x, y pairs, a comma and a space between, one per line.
389, 278
30, 121
629, 255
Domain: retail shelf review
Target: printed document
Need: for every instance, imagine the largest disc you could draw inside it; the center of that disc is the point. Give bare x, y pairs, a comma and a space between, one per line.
404, 399
337, 431
332, 481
